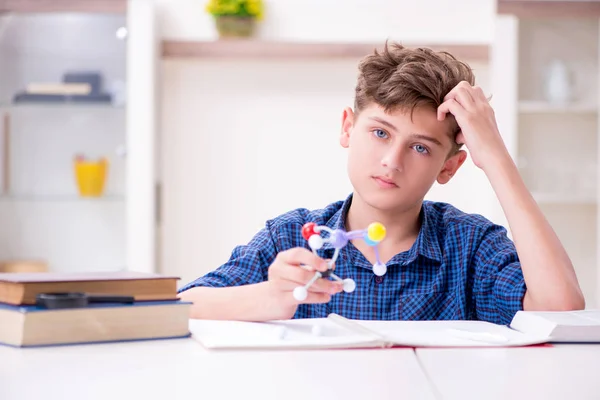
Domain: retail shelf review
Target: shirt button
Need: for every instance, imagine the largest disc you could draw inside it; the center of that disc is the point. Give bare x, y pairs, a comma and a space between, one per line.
379, 279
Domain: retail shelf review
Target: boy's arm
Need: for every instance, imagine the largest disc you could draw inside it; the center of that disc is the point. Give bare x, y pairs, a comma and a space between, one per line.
257, 282
549, 275
236, 289
548, 271
495, 277
247, 302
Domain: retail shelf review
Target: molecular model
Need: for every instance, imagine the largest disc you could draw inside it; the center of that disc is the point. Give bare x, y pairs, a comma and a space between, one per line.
338, 238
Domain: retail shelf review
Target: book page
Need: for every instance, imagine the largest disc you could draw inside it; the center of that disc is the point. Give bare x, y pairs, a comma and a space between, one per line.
451, 334
592, 315
339, 332
300, 333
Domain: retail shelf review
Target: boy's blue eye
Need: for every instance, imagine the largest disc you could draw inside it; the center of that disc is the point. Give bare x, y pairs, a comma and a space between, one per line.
380, 134
421, 149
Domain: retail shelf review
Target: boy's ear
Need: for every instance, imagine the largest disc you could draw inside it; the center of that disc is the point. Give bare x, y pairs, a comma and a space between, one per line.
451, 165
347, 123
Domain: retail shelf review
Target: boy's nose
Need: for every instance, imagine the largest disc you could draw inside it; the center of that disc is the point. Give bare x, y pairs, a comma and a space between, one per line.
393, 159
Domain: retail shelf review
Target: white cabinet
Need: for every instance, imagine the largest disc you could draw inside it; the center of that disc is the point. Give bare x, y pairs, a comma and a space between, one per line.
43, 215
545, 77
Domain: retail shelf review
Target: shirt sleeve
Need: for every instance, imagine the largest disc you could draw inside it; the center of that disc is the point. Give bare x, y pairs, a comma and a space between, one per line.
498, 283
247, 264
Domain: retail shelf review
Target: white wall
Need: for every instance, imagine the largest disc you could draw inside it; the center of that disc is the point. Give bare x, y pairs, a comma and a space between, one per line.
243, 141
440, 21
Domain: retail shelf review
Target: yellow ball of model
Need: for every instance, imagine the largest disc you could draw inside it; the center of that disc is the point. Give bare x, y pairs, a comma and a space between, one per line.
376, 232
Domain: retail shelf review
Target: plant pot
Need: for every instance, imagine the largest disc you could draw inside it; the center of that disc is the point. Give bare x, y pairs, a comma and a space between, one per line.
232, 26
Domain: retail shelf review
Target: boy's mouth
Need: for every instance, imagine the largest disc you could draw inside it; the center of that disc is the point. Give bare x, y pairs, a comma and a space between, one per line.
384, 182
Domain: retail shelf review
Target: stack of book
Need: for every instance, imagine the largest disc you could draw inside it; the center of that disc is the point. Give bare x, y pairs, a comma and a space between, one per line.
152, 312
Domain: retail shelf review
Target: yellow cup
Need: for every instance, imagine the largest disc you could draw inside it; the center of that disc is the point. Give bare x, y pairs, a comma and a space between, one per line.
91, 176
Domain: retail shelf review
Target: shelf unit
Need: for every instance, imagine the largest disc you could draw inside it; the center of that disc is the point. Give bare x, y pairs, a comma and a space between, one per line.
555, 145
43, 139
42, 214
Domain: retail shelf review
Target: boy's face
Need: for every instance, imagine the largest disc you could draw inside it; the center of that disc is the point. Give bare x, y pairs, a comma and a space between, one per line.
394, 160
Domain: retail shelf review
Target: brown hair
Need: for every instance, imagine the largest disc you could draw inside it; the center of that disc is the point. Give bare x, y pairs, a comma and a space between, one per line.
401, 78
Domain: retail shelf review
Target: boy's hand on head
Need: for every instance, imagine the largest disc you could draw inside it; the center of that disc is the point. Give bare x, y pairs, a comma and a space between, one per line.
475, 117
293, 268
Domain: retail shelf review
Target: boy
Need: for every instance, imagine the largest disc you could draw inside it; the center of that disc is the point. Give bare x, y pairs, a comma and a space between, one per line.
413, 110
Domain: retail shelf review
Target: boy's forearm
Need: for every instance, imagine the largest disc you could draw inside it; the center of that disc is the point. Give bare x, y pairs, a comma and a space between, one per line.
247, 303
548, 271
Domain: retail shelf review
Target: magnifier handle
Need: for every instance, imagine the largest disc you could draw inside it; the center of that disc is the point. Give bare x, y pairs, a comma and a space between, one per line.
110, 299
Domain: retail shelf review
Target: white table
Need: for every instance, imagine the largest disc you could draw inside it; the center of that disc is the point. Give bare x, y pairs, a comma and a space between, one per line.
182, 369
548, 373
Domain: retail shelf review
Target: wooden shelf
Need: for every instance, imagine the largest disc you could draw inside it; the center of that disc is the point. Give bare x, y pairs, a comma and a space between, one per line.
549, 8
540, 107
43, 6
252, 48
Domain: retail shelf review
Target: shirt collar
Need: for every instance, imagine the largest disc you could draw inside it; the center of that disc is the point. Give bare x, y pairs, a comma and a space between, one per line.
426, 244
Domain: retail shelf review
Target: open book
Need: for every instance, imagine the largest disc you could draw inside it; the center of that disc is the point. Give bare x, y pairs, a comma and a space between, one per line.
336, 331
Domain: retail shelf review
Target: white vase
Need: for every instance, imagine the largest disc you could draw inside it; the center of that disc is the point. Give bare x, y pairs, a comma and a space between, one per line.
558, 86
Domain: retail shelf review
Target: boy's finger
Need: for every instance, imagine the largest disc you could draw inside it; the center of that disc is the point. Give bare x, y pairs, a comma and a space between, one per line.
294, 276
322, 286
462, 96
315, 298
326, 286
450, 106
301, 256
480, 94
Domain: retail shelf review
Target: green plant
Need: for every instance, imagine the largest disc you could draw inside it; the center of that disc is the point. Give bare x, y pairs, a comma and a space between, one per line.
237, 8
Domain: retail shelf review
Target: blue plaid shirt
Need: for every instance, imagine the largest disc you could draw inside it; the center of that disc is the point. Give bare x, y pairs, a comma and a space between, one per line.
461, 266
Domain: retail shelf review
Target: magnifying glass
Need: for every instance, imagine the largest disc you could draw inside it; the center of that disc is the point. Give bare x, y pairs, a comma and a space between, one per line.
77, 300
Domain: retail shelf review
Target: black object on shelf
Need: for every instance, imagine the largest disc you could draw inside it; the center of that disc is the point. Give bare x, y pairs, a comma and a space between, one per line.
62, 98
94, 79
